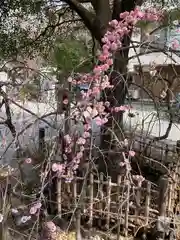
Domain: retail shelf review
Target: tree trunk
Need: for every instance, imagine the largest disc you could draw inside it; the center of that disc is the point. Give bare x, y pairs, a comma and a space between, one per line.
97, 25
109, 162
119, 78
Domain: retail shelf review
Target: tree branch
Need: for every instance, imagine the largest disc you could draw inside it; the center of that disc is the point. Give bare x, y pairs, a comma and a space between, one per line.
8, 121
103, 14
87, 16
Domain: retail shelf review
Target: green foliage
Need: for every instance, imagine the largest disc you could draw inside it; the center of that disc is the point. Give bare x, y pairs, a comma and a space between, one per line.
71, 55
21, 7
17, 19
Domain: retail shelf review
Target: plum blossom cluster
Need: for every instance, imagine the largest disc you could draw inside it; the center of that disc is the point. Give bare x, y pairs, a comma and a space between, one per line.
50, 226
90, 107
175, 44
139, 179
71, 157
113, 38
126, 157
49, 231
121, 108
35, 208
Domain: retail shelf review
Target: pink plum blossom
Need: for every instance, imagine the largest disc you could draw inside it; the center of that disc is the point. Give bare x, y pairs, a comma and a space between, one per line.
132, 153
81, 141
82, 148
28, 160
51, 226
175, 44
79, 155
55, 167
113, 23
70, 79
139, 179
65, 101
87, 127
33, 210
38, 205
67, 139
86, 135
98, 121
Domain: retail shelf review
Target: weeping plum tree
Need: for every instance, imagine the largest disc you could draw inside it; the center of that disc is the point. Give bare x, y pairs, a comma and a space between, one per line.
115, 44
97, 24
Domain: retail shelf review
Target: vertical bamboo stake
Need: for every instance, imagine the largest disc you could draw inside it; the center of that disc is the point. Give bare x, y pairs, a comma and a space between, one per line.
75, 192
127, 211
176, 179
78, 224
68, 187
68, 193
118, 208
138, 199
173, 190
4, 186
59, 198
108, 202
147, 203
166, 153
100, 198
163, 196
170, 199
101, 207
171, 202
83, 194
162, 204
91, 200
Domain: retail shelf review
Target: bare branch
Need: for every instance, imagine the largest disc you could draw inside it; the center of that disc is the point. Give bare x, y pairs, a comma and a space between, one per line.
8, 121
32, 113
87, 16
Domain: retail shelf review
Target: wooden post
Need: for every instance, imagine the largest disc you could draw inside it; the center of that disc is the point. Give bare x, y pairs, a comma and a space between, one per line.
75, 192
138, 199
78, 224
171, 200
5, 187
59, 198
68, 190
147, 204
101, 205
163, 195
108, 202
119, 207
91, 200
101, 198
126, 226
170, 210
173, 189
